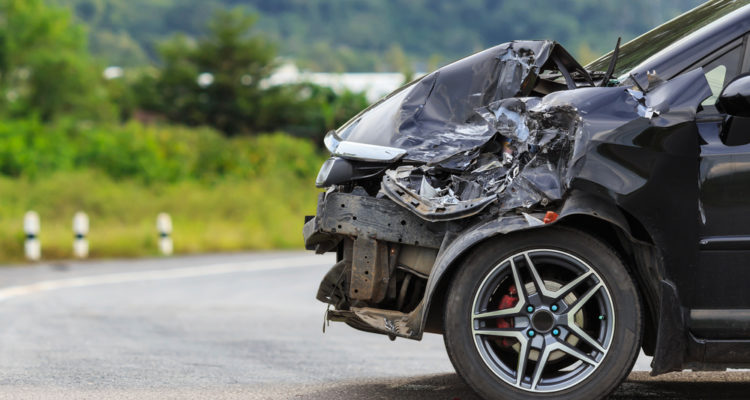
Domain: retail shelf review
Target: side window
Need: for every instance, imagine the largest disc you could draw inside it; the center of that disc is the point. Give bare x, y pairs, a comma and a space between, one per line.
720, 71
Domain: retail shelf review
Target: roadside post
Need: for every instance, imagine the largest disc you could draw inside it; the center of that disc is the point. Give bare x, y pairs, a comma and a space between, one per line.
164, 226
31, 225
80, 230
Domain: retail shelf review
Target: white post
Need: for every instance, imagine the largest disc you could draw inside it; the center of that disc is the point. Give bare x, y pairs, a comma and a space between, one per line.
31, 227
164, 226
80, 230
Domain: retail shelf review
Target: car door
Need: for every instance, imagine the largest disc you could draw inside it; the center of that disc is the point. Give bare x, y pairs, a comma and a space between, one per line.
719, 283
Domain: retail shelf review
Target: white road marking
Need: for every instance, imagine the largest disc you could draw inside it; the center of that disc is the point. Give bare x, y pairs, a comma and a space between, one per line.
157, 275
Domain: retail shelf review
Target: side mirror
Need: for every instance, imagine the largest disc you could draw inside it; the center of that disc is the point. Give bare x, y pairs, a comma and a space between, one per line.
735, 97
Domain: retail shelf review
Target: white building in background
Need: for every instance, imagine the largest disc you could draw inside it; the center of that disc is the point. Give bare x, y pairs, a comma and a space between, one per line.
374, 84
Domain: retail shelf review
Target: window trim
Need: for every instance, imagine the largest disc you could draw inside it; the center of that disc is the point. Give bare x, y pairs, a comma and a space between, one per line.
710, 112
720, 52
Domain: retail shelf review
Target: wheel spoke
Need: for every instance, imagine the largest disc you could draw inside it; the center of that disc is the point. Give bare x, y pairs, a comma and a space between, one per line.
575, 352
563, 291
581, 301
523, 357
502, 332
506, 312
541, 362
542, 288
585, 337
520, 287
577, 330
538, 283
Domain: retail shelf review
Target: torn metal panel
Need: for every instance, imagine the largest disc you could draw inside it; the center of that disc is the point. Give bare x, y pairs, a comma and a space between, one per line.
540, 146
434, 118
333, 288
428, 202
369, 272
386, 321
392, 323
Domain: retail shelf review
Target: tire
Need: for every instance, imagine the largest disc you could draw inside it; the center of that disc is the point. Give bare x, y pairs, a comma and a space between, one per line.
583, 327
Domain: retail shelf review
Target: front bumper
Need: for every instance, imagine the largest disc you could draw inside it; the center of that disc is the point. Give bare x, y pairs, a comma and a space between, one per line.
367, 233
342, 215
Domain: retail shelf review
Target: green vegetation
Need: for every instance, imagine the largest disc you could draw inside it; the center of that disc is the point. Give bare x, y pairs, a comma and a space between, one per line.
359, 35
230, 215
69, 140
150, 154
234, 60
186, 129
223, 194
45, 68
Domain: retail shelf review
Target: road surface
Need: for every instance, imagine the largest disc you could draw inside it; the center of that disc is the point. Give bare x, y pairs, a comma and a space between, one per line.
227, 326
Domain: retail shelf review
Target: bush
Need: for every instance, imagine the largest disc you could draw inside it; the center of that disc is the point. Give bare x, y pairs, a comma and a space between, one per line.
157, 153
223, 194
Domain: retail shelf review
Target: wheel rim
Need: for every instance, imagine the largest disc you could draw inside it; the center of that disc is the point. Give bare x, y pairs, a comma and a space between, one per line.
560, 328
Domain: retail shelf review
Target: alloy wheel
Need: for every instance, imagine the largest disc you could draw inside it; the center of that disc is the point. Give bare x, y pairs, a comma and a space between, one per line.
542, 320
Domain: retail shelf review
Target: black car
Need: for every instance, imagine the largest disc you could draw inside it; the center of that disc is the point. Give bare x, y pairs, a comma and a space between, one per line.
550, 219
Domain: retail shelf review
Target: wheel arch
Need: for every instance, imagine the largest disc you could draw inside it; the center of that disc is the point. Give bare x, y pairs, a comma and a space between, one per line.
589, 214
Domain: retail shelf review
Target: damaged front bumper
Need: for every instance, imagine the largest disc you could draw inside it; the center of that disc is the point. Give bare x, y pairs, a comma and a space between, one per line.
354, 215
389, 260
384, 256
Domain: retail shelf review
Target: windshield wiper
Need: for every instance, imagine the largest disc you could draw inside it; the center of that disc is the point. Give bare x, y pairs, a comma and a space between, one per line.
612, 63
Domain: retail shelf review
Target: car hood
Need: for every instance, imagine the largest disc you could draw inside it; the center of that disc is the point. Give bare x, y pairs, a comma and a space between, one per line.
509, 125
435, 116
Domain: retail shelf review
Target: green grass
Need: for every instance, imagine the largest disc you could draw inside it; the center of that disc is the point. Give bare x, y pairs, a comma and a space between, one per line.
224, 194
230, 215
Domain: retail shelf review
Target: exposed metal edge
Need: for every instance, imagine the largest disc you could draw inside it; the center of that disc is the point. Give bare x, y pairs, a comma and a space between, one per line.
428, 210
387, 322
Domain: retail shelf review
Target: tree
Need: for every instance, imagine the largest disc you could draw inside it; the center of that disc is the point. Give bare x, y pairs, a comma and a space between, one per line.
220, 80
45, 69
308, 110
216, 80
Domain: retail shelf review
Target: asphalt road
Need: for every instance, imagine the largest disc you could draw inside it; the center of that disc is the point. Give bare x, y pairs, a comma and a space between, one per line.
227, 326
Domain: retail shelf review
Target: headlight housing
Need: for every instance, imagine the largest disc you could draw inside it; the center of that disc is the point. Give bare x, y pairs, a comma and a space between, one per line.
335, 170
360, 151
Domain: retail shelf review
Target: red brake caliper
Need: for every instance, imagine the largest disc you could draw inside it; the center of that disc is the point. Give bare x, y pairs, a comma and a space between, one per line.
508, 300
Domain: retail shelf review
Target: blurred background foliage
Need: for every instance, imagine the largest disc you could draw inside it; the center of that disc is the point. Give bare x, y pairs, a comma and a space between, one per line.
126, 108
358, 35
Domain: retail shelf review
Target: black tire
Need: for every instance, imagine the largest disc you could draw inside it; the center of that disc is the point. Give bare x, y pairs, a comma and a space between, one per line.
480, 359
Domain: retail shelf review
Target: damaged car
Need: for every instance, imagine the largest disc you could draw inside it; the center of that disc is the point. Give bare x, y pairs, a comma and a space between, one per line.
550, 219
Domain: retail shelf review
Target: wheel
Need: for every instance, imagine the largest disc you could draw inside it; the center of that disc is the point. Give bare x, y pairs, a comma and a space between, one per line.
550, 313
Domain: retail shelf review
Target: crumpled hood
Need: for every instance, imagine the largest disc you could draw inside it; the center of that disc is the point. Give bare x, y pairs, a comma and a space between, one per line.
499, 128
435, 117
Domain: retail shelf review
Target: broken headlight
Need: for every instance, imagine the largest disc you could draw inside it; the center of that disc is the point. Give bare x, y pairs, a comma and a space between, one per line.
335, 170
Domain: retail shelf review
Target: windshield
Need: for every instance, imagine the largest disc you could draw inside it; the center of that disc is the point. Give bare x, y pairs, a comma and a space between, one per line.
639, 49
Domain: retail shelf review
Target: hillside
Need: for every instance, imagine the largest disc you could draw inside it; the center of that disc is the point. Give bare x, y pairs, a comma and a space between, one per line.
375, 35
